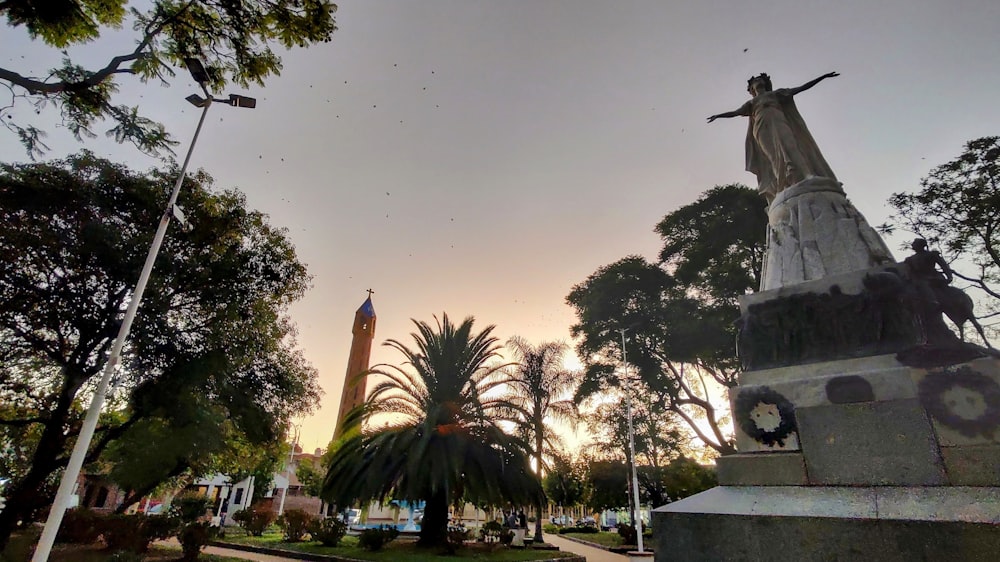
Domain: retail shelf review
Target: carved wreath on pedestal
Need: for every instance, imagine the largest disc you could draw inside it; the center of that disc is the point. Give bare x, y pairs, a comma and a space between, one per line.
964, 400
753, 404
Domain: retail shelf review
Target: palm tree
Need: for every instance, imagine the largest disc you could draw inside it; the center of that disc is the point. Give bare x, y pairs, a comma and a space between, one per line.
443, 443
539, 382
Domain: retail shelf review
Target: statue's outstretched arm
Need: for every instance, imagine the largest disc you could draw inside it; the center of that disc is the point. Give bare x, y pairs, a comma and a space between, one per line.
743, 111
812, 83
945, 268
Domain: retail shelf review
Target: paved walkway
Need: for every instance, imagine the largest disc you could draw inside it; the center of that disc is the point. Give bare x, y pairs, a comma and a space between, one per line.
218, 551
590, 553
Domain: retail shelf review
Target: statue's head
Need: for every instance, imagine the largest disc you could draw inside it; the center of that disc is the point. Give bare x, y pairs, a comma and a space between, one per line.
759, 83
918, 245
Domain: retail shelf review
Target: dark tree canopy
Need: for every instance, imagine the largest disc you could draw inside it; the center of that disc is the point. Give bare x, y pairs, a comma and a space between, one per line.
715, 245
681, 478
564, 484
236, 41
957, 210
657, 434
211, 357
679, 314
607, 485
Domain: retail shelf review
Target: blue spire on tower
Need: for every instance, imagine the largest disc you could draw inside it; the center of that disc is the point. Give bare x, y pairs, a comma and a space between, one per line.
367, 309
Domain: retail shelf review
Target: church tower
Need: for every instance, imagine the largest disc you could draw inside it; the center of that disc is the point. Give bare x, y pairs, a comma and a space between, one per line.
361, 350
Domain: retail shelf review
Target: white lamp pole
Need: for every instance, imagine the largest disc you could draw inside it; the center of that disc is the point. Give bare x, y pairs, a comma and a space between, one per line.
288, 472
637, 517
83, 440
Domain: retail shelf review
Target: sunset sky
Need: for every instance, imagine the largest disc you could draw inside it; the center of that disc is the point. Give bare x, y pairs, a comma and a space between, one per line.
482, 157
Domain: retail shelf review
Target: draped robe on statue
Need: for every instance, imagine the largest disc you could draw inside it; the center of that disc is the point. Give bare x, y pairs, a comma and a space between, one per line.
779, 149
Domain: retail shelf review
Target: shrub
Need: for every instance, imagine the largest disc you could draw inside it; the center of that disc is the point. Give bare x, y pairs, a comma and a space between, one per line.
295, 523
627, 533
193, 537
494, 531
375, 539
579, 529
79, 526
455, 539
328, 531
189, 507
254, 520
134, 532
159, 527
550, 528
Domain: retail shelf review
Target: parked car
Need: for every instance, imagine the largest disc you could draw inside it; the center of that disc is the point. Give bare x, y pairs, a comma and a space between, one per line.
586, 522
352, 517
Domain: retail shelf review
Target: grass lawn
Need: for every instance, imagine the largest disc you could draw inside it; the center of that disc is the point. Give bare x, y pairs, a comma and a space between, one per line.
610, 539
603, 538
396, 550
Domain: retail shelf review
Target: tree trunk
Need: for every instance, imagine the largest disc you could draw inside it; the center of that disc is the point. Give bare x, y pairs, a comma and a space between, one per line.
538, 467
26, 495
434, 526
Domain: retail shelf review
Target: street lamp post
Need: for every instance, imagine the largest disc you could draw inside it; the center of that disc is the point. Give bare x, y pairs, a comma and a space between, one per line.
636, 516
288, 471
72, 472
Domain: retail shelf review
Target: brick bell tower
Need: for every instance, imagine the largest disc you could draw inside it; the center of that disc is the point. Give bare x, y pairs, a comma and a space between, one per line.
361, 350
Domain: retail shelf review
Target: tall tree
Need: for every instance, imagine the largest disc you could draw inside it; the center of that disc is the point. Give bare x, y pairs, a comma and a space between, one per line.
684, 477
957, 210
657, 435
655, 432
213, 328
542, 388
679, 313
564, 484
606, 484
671, 337
444, 443
236, 40
715, 245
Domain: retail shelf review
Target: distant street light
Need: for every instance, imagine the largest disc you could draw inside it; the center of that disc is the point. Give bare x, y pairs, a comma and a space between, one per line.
288, 471
637, 514
72, 472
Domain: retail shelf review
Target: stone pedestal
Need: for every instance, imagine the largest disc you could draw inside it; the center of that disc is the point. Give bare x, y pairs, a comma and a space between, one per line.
856, 441
636, 556
814, 232
846, 524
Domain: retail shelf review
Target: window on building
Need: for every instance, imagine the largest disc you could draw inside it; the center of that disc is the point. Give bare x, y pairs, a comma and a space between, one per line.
238, 500
102, 497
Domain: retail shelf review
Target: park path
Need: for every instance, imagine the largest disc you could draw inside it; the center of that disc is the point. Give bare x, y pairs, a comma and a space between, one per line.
257, 557
590, 553
232, 553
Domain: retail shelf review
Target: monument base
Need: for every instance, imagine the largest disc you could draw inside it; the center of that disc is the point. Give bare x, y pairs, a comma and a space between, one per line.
796, 523
814, 232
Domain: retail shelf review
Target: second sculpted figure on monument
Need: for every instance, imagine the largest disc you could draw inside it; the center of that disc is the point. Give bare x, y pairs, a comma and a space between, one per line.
813, 230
